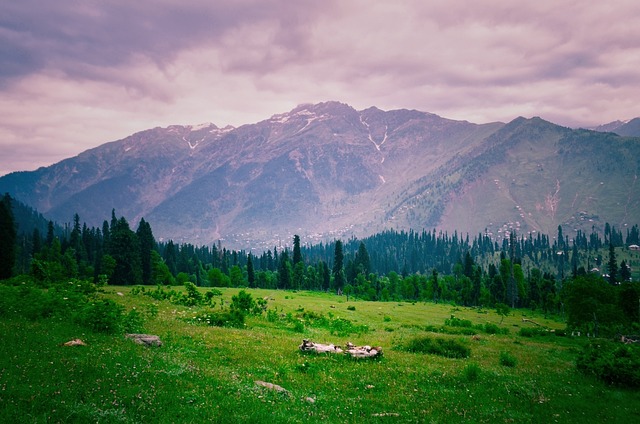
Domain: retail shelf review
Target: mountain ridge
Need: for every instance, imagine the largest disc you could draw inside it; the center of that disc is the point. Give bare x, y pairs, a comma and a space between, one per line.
328, 170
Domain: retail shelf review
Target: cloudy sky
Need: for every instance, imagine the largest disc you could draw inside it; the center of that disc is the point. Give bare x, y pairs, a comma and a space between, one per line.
77, 74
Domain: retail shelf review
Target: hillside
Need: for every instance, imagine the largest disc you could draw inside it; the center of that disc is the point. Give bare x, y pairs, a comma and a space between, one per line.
328, 170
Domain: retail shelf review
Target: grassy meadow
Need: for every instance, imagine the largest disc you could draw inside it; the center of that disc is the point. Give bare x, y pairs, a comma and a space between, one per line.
208, 374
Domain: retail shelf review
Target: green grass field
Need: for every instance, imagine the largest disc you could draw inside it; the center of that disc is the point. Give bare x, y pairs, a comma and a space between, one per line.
208, 374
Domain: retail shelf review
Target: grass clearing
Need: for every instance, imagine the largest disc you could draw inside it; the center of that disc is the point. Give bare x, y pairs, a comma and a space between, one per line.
207, 374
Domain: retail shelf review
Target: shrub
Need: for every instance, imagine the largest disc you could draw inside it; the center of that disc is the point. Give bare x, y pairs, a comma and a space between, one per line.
491, 328
507, 360
457, 322
344, 327
272, 316
243, 302
102, 316
227, 318
448, 348
611, 362
533, 332
351, 308
133, 322
471, 372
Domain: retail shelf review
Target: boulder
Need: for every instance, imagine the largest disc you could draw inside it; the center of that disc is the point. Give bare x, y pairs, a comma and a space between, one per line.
145, 339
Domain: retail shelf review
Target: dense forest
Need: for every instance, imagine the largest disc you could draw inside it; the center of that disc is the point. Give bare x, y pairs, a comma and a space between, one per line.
580, 277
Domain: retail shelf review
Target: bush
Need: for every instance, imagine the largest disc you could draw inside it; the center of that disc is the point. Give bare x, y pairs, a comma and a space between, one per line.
133, 322
611, 362
457, 322
507, 360
343, 327
490, 328
471, 372
351, 308
533, 332
438, 346
103, 316
243, 302
227, 318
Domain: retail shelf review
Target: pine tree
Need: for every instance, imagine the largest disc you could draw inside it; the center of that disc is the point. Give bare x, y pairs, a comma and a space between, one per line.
147, 244
284, 271
251, 276
8, 237
613, 265
124, 248
338, 267
297, 254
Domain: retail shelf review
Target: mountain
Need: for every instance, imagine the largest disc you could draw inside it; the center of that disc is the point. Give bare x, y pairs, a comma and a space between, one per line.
630, 128
328, 170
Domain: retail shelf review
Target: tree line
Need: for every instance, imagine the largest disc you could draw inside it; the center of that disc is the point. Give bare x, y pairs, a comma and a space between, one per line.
521, 271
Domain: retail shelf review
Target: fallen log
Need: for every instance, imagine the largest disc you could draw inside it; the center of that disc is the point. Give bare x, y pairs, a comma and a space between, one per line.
309, 346
349, 349
363, 351
532, 322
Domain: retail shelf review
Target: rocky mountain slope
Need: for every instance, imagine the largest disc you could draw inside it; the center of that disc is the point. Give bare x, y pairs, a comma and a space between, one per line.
328, 170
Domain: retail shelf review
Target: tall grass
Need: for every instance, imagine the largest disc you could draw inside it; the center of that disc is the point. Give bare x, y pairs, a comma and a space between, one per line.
208, 374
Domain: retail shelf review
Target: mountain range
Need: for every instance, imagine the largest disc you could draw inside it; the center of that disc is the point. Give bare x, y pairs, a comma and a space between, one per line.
327, 170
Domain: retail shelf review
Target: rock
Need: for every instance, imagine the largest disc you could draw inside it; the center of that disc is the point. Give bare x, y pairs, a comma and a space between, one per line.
272, 386
363, 351
309, 346
75, 342
145, 339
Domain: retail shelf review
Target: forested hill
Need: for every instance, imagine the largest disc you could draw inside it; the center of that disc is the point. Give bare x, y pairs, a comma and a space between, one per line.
328, 171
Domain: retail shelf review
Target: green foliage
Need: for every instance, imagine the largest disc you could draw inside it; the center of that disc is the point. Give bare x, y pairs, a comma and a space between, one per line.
298, 327
471, 372
534, 332
226, 318
593, 306
343, 327
611, 362
244, 303
457, 322
503, 310
351, 308
133, 321
507, 359
193, 296
102, 315
8, 238
448, 348
491, 328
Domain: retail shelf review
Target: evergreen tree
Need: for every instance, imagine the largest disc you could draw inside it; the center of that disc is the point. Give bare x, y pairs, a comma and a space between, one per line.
362, 261
147, 244
125, 249
338, 267
8, 237
625, 272
284, 271
297, 254
613, 265
50, 234
251, 276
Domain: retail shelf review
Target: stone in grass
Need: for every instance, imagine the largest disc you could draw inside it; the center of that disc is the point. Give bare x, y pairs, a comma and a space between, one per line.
145, 339
75, 342
272, 386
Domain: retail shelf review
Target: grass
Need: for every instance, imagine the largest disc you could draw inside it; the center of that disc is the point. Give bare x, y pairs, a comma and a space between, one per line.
208, 374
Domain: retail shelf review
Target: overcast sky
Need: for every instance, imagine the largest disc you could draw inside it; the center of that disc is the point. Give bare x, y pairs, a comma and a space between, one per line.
77, 74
